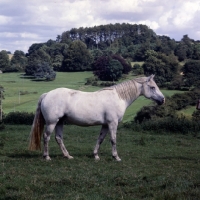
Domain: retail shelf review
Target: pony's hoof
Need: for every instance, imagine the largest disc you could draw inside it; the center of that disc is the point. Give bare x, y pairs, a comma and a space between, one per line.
47, 158
69, 157
118, 159
97, 158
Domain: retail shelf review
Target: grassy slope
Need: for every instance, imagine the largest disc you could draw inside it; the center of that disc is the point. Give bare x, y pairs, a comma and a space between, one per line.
153, 167
15, 82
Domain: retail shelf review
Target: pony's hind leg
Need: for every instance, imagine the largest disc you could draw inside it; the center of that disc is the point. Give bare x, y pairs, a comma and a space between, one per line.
47, 134
102, 135
59, 139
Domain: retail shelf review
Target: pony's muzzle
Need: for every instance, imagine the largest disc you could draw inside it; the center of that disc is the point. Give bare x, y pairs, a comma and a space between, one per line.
161, 101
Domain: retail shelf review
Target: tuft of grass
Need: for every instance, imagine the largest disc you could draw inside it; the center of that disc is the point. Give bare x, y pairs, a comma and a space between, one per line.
154, 166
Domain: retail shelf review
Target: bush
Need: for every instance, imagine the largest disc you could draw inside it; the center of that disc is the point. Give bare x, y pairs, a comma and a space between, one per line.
108, 69
172, 104
2, 126
180, 125
19, 118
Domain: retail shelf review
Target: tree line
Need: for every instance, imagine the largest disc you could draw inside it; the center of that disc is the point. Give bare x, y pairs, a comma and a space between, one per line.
86, 48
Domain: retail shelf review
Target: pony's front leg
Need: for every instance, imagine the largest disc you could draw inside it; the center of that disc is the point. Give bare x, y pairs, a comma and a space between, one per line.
46, 137
59, 139
102, 135
113, 138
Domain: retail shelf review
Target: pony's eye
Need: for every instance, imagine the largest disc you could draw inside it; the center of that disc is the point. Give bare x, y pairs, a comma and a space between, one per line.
153, 88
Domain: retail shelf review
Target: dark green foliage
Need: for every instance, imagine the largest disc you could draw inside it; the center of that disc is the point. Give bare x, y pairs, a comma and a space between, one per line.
185, 48
172, 124
165, 45
137, 69
18, 118
104, 36
196, 116
34, 47
164, 67
2, 127
44, 71
77, 57
196, 51
94, 81
126, 66
165, 118
4, 61
181, 51
176, 83
79, 48
191, 71
96, 53
18, 61
174, 103
108, 69
34, 60
154, 112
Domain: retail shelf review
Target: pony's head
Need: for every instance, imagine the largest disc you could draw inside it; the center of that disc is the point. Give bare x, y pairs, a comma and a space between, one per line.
151, 91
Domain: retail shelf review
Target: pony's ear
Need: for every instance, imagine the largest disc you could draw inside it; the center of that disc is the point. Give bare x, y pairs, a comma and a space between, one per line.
150, 77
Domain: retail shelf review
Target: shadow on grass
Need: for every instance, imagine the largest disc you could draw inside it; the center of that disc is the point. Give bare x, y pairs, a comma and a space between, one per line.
27, 77
25, 155
30, 155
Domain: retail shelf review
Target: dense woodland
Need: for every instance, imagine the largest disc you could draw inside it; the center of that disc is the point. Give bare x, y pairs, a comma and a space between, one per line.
109, 51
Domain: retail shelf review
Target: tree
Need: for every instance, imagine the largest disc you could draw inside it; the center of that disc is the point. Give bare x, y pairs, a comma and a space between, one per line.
77, 57
35, 59
18, 61
184, 49
164, 67
108, 69
44, 71
196, 51
181, 51
4, 61
126, 66
191, 71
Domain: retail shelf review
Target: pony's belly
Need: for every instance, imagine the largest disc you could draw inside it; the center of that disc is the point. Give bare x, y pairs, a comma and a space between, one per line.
84, 122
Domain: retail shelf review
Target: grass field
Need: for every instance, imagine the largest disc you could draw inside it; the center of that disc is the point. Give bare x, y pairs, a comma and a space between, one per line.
154, 166
22, 93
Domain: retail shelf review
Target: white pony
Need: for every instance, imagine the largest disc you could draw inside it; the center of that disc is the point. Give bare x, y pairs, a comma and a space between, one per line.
104, 107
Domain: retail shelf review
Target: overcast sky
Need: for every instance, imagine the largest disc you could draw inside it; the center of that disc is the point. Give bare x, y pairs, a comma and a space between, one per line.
24, 22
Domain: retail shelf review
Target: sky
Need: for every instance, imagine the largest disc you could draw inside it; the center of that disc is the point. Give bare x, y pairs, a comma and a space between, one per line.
25, 22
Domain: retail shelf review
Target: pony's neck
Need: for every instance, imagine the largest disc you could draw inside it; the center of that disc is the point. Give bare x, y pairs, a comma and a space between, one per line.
129, 91
138, 93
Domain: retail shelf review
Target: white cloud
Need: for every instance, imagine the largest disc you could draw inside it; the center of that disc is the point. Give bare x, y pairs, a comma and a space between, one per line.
4, 20
24, 22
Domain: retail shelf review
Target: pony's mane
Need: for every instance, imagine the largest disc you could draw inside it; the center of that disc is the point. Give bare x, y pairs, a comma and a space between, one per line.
128, 90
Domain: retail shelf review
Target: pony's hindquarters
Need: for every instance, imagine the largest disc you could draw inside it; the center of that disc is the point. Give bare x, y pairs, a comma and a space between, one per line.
37, 128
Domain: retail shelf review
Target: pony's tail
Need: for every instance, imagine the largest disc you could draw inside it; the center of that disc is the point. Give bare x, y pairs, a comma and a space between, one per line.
37, 128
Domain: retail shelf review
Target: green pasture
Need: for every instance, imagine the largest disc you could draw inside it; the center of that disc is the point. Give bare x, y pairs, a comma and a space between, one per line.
139, 63
22, 93
154, 166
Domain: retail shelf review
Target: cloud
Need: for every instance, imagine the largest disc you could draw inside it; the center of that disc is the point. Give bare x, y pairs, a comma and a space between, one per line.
23, 22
